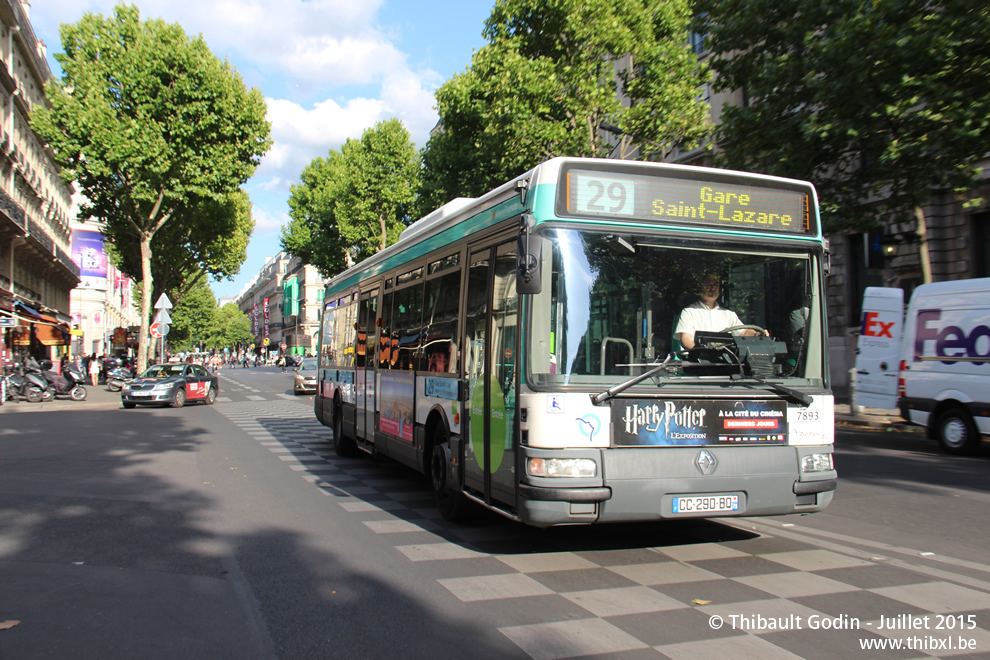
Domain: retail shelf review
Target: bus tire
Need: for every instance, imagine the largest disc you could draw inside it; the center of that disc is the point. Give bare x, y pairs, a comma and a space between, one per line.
956, 432
342, 445
453, 505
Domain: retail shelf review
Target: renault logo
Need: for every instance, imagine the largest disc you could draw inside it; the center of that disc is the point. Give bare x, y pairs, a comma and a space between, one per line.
706, 462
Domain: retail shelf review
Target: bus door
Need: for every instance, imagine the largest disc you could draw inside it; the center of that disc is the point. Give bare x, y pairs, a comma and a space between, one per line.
367, 341
490, 353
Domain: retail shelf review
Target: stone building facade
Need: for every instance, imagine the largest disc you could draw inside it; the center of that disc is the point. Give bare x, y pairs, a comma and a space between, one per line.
37, 272
292, 293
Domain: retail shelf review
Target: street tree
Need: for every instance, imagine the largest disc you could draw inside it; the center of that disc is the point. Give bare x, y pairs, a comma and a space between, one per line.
356, 201
230, 327
149, 123
555, 79
193, 318
207, 242
881, 104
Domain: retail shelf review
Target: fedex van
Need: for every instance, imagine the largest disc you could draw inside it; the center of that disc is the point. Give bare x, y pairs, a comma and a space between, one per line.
944, 368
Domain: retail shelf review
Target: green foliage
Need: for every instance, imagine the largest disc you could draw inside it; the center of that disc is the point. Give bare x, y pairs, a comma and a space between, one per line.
207, 241
877, 100
356, 201
197, 321
551, 75
150, 124
230, 327
192, 318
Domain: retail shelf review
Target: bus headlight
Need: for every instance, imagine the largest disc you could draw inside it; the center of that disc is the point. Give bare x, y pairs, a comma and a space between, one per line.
817, 463
561, 467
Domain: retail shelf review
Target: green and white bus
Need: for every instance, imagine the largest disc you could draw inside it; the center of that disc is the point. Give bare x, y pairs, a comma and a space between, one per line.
522, 349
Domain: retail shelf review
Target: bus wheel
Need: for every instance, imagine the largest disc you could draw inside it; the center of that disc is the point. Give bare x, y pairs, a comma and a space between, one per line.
453, 505
341, 445
956, 432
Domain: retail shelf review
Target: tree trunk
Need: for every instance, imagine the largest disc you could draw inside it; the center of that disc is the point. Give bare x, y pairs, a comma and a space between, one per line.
926, 259
146, 291
381, 224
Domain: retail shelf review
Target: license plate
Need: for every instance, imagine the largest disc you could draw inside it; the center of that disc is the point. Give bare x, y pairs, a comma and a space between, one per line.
140, 393
706, 504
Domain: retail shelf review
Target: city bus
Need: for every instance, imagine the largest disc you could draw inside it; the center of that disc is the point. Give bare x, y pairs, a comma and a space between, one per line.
525, 350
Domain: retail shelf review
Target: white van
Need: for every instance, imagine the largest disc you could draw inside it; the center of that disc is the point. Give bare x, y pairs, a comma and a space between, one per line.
944, 366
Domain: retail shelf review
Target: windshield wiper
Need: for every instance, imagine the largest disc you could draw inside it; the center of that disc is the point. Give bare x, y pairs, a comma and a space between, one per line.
611, 392
792, 394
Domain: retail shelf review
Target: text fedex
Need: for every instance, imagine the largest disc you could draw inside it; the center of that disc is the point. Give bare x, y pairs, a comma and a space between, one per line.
950, 341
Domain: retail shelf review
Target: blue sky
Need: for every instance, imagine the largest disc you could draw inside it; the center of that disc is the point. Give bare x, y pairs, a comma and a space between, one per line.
329, 69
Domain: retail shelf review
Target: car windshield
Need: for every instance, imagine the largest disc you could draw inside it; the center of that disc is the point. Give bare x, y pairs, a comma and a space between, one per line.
307, 364
611, 302
164, 371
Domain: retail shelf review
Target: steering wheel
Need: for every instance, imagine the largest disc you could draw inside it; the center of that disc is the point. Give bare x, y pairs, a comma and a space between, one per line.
760, 331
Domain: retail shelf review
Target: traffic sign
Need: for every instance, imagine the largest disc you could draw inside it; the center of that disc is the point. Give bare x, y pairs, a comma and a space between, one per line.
282, 346
8, 322
163, 317
163, 302
159, 329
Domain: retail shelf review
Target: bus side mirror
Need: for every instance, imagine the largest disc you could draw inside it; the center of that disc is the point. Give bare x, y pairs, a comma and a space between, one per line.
530, 256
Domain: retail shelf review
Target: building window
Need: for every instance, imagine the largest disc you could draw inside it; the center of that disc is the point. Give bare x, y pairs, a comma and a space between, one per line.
981, 244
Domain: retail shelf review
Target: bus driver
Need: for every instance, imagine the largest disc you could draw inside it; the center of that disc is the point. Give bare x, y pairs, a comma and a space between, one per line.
706, 314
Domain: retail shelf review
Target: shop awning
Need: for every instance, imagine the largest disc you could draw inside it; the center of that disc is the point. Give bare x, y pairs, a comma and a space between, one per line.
26, 310
50, 335
48, 330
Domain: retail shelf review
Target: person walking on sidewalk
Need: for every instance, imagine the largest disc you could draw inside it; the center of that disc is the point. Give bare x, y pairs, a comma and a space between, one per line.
94, 370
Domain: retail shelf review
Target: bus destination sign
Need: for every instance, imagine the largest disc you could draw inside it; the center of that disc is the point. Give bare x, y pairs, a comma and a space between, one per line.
674, 200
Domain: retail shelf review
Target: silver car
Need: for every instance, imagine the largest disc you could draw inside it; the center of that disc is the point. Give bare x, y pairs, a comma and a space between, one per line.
304, 381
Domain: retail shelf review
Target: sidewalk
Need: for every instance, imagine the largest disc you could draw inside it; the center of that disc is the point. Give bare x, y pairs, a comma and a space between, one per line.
874, 418
96, 398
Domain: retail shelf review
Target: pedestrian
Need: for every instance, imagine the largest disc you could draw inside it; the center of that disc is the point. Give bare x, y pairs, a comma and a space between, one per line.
94, 370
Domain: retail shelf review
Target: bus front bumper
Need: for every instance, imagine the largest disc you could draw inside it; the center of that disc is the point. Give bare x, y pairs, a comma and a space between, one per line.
645, 484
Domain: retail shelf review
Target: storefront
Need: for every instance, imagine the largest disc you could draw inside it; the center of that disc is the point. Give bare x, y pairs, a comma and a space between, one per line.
35, 334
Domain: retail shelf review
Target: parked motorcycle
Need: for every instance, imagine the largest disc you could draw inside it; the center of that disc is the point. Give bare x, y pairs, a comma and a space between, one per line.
19, 388
35, 377
117, 378
69, 383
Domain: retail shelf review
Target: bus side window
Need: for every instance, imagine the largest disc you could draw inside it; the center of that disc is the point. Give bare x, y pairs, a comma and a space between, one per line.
443, 295
408, 316
346, 334
385, 333
327, 353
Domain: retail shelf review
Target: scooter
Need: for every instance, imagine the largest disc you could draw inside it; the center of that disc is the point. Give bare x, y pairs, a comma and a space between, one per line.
68, 384
35, 378
74, 382
117, 378
19, 388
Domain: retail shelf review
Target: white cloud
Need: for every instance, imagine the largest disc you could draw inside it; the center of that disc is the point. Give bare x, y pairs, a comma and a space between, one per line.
302, 134
347, 60
309, 46
329, 41
266, 221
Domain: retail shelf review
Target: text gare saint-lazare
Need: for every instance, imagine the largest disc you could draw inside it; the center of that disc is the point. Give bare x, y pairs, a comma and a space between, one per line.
717, 202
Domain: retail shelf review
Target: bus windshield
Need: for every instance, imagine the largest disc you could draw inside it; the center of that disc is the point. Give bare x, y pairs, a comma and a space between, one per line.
613, 303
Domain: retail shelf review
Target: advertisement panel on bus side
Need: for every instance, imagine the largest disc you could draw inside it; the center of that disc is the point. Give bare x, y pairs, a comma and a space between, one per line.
639, 422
